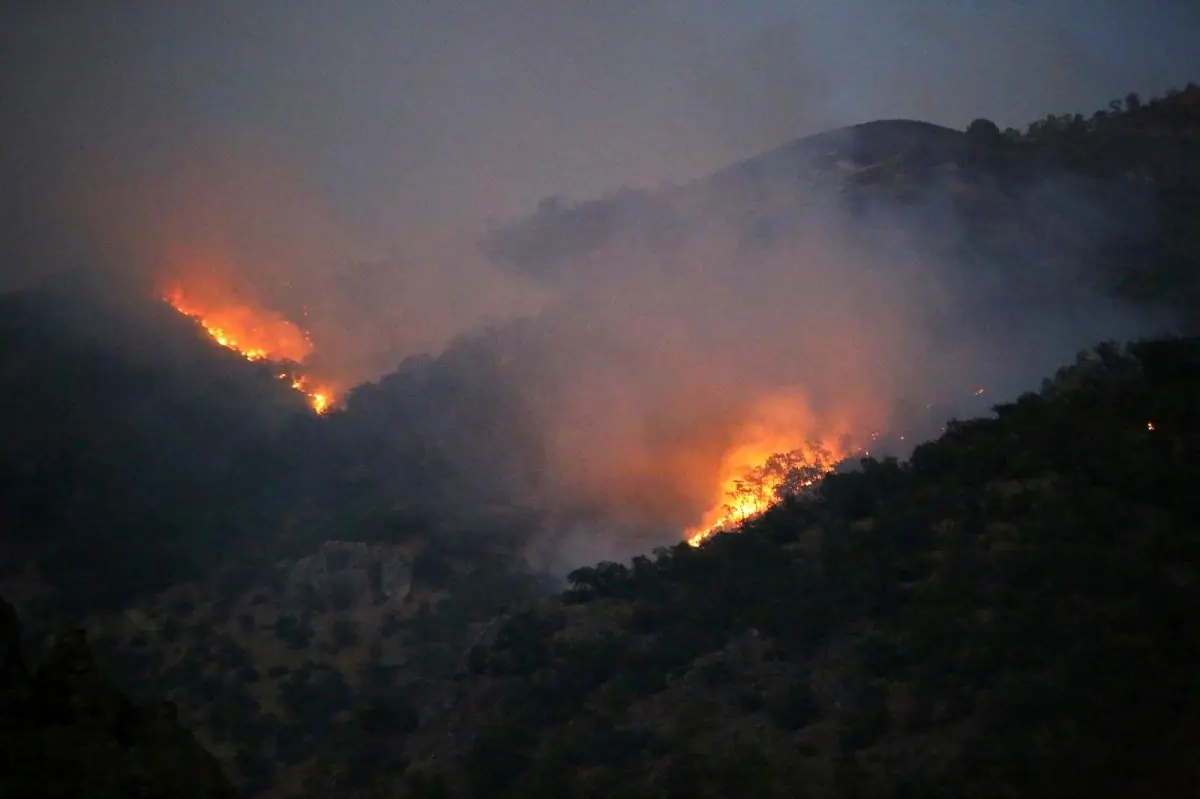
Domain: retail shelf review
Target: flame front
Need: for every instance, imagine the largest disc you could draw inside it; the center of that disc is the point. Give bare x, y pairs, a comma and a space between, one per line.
257, 335
777, 456
320, 398
754, 477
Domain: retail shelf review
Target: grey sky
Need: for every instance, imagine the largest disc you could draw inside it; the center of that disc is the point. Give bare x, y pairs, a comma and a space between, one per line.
397, 111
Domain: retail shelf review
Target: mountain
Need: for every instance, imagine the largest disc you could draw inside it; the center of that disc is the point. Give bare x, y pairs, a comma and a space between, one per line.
341, 605
1102, 201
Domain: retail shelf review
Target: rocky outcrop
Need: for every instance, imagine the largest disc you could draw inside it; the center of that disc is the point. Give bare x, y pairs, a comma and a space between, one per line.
65, 732
344, 573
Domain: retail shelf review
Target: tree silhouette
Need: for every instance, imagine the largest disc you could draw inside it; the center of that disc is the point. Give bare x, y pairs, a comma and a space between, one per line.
984, 131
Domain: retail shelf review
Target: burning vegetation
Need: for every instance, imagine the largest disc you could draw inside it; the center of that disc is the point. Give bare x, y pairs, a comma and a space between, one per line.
777, 452
748, 490
257, 334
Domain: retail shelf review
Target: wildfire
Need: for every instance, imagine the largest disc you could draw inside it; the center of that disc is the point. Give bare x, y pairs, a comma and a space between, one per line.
319, 398
257, 335
775, 465
774, 459
756, 477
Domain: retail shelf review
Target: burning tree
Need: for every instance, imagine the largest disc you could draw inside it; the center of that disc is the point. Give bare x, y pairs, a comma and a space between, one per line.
790, 473
781, 475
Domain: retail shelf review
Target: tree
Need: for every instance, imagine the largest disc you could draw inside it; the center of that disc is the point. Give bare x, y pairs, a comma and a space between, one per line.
984, 131
792, 472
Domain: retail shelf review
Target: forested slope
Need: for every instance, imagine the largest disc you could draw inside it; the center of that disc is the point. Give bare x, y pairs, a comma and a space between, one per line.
1007, 614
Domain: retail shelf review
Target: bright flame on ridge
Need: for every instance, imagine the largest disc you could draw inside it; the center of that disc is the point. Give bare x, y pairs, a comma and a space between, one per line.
776, 456
257, 335
755, 477
773, 465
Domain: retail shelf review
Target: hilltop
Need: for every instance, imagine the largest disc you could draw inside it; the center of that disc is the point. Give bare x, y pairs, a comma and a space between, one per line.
1102, 201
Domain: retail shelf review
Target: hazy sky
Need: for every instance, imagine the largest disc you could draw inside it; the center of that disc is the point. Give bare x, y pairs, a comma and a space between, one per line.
397, 112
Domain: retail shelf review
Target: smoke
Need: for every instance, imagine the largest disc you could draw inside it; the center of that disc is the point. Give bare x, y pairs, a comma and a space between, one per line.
370, 174
779, 307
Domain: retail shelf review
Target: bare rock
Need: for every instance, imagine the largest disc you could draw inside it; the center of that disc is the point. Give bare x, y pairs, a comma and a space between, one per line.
345, 573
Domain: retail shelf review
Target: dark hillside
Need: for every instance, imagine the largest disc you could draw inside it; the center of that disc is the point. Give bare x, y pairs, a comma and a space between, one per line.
128, 438
131, 440
1007, 614
65, 732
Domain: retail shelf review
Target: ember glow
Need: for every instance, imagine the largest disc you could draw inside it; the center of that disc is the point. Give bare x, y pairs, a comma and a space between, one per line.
256, 334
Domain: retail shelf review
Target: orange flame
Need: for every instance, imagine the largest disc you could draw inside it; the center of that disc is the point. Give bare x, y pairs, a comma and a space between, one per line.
775, 459
320, 398
753, 479
257, 335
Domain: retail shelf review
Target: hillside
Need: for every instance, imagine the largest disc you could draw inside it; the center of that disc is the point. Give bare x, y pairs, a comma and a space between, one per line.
1007, 614
274, 664
343, 604
64, 731
130, 440
913, 624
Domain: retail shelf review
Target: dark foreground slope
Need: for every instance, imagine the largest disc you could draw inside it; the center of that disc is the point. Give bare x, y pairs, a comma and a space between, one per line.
1008, 614
65, 732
